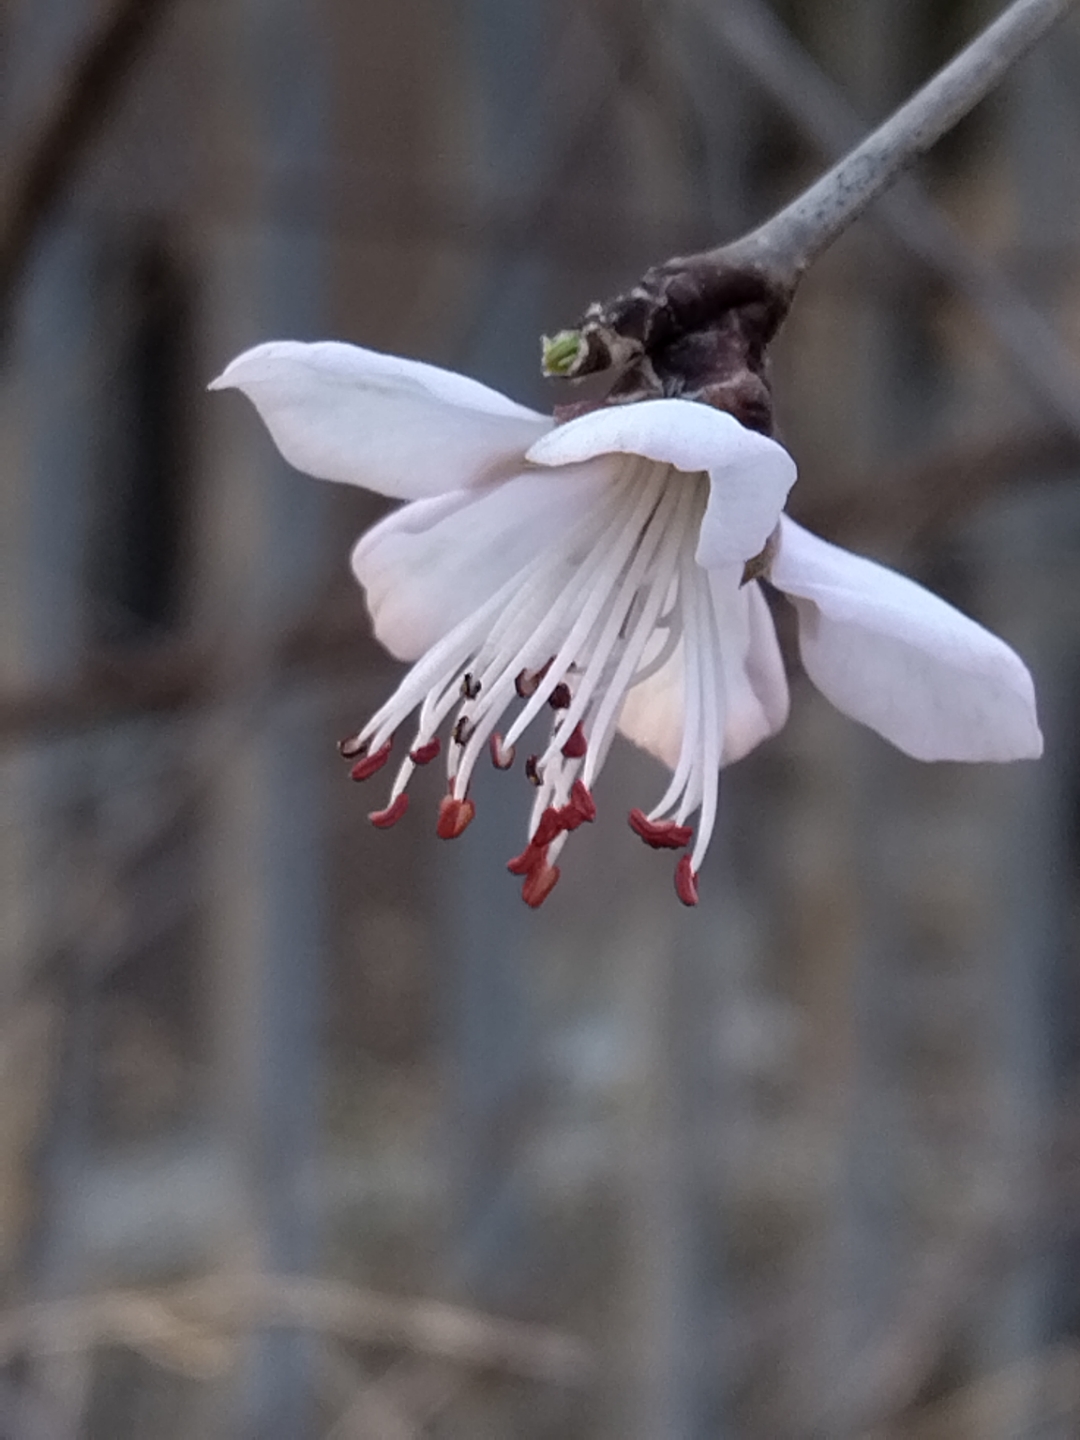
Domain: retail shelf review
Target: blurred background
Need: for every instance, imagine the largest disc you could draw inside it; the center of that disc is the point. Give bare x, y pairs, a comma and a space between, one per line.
311, 1130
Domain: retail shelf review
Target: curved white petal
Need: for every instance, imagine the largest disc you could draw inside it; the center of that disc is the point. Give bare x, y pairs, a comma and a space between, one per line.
891, 654
430, 564
395, 426
755, 698
750, 474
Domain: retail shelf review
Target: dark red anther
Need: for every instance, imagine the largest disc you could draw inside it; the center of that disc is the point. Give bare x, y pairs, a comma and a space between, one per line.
686, 881
454, 817
351, 747
424, 754
660, 834
532, 770
576, 746
550, 825
539, 884
383, 819
527, 682
529, 860
560, 697
367, 767
470, 687
581, 800
502, 756
463, 728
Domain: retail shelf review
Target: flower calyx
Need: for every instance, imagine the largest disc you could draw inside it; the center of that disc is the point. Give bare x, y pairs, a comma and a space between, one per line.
696, 328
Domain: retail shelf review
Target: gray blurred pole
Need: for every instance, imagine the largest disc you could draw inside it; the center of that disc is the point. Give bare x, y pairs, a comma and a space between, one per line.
1030, 568
267, 860
488, 999
50, 429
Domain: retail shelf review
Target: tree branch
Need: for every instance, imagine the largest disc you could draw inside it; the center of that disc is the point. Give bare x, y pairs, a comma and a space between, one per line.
758, 39
70, 121
786, 244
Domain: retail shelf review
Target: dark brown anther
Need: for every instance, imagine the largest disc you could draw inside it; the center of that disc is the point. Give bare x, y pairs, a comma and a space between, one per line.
502, 756
686, 881
660, 834
351, 747
539, 884
527, 682
470, 688
454, 816
532, 770
463, 728
560, 697
577, 745
529, 860
761, 563
367, 767
383, 819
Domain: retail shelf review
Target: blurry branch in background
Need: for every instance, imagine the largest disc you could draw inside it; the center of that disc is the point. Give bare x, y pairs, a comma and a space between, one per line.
188, 1327
70, 119
699, 325
753, 34
787, 243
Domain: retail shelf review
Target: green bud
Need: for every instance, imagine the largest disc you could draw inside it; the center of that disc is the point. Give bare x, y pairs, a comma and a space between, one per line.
561, 352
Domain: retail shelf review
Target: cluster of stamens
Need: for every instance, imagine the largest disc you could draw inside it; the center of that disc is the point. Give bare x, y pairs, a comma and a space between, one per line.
570, 634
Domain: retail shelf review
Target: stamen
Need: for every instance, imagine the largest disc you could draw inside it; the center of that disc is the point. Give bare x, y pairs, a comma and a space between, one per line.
470, 687
383, 819
660, 834
532, 770
529, 859
526, 682
686, 886
454, 817
539, 884
502, 756
424, 754
560, 697
550, 825
367, 767
582, 801
463, 728
349, 749
577, 745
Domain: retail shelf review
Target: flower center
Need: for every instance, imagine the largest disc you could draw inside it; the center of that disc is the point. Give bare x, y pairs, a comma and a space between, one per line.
614, 600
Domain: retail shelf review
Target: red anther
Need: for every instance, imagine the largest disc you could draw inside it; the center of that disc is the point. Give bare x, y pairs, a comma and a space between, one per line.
660, 834
686, 881
454, 816
532, 770
366, 767
392, 814
502, 756
352, 746
532, 857
539, 884
550, 825
560, 697
526, 682
424, 754
576, 746
582, 801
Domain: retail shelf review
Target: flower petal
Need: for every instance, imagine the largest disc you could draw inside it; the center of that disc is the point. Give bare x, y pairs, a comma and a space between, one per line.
395, 426
891, 654
755, 687
750, 475
430, 564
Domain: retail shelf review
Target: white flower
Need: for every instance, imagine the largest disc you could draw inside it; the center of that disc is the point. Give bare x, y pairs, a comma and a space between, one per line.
594, 570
